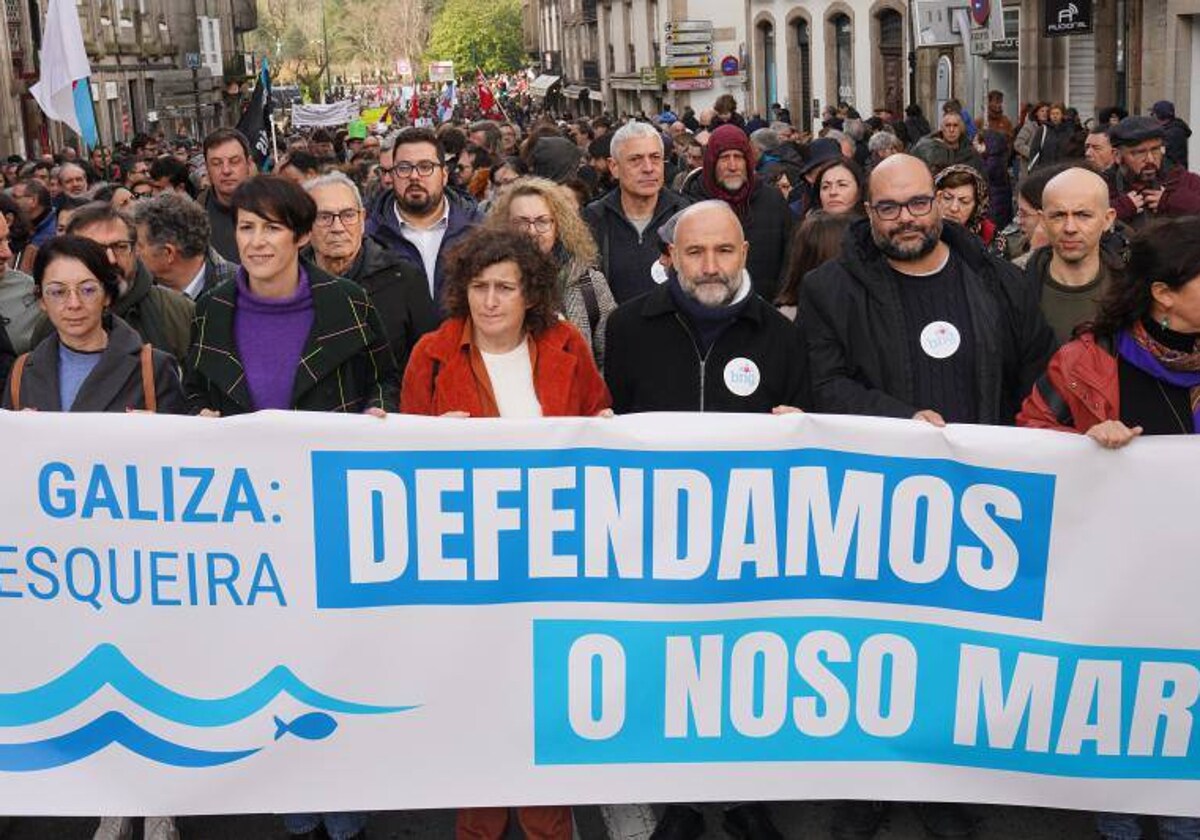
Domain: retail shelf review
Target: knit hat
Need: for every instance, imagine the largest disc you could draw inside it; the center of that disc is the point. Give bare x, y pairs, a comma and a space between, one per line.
729, 138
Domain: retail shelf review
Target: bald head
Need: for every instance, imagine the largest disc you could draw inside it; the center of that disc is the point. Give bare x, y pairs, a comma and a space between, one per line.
709, 253
1075, 185
708, 214
899, 174
1075, 215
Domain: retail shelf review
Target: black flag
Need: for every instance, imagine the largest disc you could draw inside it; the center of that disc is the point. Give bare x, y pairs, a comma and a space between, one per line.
256, 121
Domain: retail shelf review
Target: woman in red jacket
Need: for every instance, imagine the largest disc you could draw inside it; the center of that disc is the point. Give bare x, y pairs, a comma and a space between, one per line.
1136, 369
504, 351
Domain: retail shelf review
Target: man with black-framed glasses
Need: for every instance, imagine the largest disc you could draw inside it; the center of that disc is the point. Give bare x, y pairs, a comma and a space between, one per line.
1146, 185
417, 220
916, 319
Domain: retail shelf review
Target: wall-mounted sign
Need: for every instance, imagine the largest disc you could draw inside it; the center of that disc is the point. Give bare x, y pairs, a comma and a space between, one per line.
1066, 17
730, 65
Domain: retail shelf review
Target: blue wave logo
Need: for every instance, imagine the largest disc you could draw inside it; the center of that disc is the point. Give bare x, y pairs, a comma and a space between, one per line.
106, 665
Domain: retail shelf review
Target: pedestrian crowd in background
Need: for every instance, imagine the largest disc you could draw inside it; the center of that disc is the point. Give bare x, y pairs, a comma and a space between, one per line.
1041, 271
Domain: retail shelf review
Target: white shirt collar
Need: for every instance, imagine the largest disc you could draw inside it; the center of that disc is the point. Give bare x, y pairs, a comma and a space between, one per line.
443, 221
193, 288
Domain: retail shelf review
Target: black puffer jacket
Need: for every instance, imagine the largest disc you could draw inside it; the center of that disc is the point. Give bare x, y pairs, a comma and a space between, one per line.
860, 360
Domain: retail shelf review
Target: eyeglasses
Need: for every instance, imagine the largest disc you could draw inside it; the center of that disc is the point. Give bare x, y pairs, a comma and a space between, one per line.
918, 205
347, 217
141, 195
423, 168
58, 293
120, 248
1139, 154
541, 224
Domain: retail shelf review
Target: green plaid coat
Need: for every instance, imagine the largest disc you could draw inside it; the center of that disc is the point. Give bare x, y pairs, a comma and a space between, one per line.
346, 364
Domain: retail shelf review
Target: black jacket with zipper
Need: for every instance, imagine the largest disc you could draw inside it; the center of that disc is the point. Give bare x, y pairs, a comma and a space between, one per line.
862, 362
625, 255
653, 363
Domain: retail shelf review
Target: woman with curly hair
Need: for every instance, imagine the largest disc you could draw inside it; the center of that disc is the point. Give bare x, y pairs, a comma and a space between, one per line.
503, 350
963, 195
545, 211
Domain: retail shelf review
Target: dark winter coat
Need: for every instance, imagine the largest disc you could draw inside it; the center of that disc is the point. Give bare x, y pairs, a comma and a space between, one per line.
398, 291
115, 384
861, 361
1175, 138
654, 365
385, 229
347, 363
626, 255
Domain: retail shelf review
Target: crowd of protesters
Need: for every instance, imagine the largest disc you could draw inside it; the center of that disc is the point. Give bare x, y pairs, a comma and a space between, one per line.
1042, 272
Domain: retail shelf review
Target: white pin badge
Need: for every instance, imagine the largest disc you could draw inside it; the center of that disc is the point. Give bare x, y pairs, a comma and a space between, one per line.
940, 339
742, 377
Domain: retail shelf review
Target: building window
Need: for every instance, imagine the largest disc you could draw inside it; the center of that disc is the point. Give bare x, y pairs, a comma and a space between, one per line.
804, 61
766, 47
844, 59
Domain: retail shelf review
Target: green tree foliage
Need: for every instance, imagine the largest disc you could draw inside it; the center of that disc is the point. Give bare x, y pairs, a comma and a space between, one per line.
486, 33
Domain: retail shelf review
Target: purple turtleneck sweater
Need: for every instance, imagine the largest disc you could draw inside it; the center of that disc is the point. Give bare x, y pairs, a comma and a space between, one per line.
270, 334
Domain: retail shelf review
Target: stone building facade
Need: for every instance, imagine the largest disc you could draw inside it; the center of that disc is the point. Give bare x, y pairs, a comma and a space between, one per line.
139, 53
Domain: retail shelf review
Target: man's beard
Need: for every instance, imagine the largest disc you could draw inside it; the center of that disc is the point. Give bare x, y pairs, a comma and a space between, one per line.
419, 205
706, 284
732, 183
909, 253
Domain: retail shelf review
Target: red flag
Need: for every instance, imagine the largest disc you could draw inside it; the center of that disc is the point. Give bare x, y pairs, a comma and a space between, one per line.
487, 102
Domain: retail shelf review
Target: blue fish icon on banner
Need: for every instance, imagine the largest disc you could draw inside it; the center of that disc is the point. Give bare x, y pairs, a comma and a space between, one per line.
313, 726
106, 665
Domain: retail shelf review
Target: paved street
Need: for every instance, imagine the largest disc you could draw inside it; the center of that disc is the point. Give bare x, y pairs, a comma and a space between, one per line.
796, 820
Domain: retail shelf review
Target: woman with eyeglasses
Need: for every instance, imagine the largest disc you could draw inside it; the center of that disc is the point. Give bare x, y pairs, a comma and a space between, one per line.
545, 212
285, 334
92, 361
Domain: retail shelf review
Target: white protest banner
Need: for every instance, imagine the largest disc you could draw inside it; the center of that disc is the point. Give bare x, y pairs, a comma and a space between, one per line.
328, 115
292, 612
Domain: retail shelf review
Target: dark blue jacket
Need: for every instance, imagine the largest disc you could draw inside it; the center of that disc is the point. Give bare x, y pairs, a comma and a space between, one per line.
383, 227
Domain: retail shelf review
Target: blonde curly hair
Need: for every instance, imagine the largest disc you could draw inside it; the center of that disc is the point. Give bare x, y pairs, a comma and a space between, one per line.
573, 233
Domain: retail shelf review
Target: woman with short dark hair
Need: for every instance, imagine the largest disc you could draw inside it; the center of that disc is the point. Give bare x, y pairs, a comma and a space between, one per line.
93, 361
286, 335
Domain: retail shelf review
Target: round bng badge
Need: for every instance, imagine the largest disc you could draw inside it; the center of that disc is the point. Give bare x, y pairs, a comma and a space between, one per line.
940, 339
742, 377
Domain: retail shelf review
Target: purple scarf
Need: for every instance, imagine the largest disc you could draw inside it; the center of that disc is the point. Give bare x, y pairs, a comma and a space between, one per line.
1173, 367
